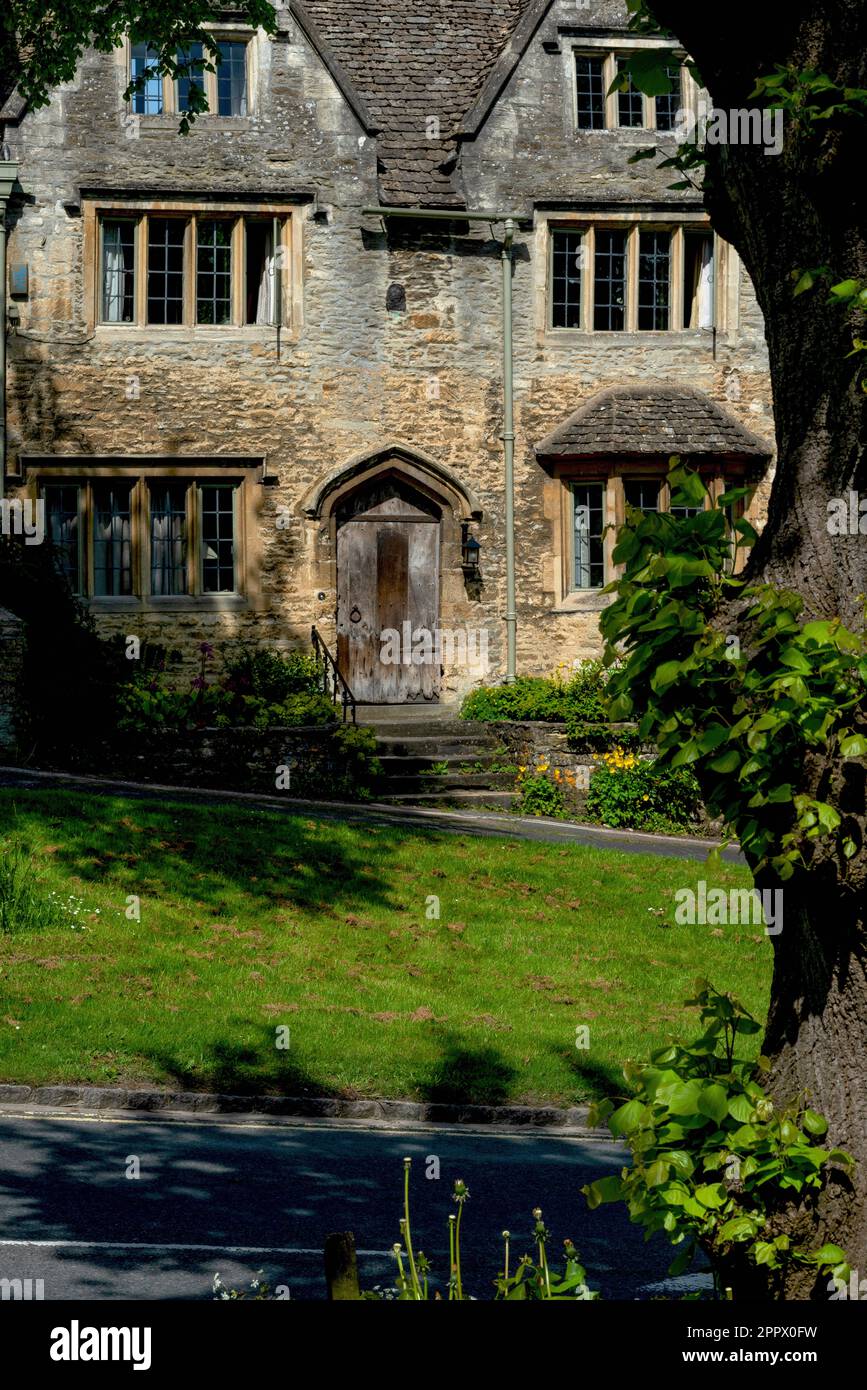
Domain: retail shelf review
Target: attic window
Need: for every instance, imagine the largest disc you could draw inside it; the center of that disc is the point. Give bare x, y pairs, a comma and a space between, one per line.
226, 89
598, 107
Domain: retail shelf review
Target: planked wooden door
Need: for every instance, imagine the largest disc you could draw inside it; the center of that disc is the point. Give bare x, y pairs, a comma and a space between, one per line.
387, 578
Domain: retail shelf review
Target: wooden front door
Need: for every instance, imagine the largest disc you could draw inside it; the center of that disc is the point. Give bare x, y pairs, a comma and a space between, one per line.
388, 565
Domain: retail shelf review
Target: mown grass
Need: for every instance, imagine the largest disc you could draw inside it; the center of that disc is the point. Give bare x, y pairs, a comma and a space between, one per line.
253, 921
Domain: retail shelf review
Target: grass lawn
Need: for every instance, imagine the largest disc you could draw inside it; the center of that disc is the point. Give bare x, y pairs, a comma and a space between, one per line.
252, 921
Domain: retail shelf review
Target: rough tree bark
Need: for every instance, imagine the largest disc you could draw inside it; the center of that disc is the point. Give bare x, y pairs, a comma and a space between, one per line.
803, 209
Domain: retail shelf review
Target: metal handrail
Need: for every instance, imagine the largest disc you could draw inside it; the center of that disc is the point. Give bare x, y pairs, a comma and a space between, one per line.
331, 682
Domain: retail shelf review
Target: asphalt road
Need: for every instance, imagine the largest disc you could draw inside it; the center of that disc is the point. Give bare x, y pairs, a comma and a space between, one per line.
485, 824
213, 1196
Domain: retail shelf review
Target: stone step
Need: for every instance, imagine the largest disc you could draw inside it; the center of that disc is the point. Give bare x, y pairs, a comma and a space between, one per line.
460, 763
436, 746
452, 781
418, 728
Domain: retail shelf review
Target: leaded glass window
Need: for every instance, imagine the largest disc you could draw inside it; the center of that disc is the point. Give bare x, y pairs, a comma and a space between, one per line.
630, 103
148, 101
232, 79
567, 262
118, 271
218, 539
214, 272
589, 525
654, 280
63, 518
590, 92
668, 105
609, 281
168, 513
112, 541
166, 269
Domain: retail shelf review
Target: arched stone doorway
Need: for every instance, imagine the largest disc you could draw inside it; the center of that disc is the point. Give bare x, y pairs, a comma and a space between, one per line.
388, 590
392, 521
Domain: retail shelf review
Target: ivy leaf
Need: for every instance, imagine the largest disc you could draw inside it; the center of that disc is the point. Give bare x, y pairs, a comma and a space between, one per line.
713, 1102
853, 746
814, 1124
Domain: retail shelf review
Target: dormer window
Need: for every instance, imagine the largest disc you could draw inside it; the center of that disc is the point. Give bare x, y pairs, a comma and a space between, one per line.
597, 107
226, 89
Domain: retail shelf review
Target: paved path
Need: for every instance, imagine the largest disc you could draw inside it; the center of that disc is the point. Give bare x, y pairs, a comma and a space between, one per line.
451, 822
235, 1198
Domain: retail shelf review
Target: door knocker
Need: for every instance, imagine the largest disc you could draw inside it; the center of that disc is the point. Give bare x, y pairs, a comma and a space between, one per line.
355, 616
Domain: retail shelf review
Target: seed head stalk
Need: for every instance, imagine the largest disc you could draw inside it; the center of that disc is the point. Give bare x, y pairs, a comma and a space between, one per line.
416, 1287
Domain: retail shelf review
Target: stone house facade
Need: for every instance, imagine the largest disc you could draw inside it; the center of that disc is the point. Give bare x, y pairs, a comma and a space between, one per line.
254, 405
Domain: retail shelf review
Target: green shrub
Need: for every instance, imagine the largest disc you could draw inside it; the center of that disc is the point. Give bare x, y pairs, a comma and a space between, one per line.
71, 676
261, 690
714, 1161
539, 795
272, 677
638, 795
578, 695
361, 768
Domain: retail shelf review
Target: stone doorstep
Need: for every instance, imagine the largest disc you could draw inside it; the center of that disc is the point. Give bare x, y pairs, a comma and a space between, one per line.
87, 1099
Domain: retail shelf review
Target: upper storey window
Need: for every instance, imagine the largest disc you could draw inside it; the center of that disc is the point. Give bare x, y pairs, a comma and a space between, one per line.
597, 107
607, 277
226, 89
196, 266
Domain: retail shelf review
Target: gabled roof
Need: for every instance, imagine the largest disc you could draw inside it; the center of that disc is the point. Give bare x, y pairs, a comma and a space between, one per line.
414, 63
636, 421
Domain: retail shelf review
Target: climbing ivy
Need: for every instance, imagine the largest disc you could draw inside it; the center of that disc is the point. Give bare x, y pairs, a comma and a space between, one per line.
714, 1160
743, 707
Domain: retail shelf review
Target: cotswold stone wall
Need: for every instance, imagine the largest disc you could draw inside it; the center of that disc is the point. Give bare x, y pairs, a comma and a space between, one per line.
12, 650
311, 763
351, 377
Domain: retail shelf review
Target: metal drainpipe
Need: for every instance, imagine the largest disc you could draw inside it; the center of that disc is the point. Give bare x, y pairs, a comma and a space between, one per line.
510, 221
509, 450
8, 175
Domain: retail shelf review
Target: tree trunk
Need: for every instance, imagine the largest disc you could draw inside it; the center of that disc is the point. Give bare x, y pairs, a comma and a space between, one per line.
803, 209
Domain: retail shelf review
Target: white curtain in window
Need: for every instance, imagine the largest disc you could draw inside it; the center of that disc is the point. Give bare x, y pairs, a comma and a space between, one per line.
168, 560
705, 285
266, 300
113, 275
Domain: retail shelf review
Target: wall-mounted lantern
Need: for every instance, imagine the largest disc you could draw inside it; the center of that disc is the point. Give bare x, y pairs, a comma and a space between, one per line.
470, 552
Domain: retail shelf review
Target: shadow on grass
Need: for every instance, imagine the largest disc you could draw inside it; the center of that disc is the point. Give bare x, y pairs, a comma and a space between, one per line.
468, 1075
202, 853
233, 1069
592, 1079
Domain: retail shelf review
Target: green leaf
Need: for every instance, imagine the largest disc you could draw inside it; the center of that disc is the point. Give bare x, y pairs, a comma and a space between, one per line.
712, 1194
813, 1123
740, 1228
647, 68
741, 1108
603, 1190
828, 1255
853, 746
713, 1102
729, 761
628, 1118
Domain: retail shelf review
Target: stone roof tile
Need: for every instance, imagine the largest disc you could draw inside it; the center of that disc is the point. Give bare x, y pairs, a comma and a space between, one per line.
636, 421
411, 61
